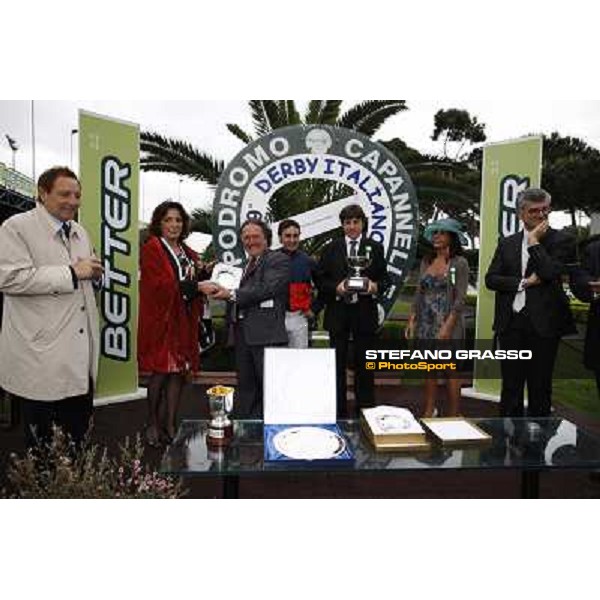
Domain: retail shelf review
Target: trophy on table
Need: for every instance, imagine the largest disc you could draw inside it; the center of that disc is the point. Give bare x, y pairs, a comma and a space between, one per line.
357, 282
220, 405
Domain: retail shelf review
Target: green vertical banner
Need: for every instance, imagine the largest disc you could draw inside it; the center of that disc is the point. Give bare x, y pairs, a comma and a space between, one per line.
109, 171
508, 168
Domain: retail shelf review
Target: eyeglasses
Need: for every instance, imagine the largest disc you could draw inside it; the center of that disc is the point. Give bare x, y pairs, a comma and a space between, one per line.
542, 210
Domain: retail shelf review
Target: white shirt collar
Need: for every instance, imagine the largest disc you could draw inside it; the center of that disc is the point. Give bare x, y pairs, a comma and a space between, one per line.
58, 224
349, 240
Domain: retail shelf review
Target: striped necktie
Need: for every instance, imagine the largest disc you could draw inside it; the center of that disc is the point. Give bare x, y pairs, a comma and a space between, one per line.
249, 268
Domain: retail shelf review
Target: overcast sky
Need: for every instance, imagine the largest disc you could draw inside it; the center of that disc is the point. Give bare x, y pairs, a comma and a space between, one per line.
203, 124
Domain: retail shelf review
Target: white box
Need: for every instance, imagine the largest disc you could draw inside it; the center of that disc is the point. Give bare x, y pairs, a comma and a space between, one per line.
299, 386
300, 398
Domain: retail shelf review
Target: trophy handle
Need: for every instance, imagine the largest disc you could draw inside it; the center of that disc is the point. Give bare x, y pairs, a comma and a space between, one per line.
229, 402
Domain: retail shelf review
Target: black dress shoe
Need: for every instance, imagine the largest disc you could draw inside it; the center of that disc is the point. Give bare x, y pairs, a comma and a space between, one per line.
165, 437
594, 476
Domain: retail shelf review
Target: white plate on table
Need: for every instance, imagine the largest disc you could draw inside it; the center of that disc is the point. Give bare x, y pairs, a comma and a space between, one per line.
309, 443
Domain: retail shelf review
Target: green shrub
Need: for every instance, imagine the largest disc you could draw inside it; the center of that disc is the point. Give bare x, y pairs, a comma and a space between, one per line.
58, 471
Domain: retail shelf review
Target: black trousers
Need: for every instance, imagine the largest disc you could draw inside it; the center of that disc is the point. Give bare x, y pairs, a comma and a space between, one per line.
364, 380
250, 362
72, 415
536, 373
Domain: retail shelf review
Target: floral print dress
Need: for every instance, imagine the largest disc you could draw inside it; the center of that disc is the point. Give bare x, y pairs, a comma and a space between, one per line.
433, 305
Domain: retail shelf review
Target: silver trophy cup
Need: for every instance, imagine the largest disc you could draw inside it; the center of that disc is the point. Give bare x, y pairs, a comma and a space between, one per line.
356, 282
220, 405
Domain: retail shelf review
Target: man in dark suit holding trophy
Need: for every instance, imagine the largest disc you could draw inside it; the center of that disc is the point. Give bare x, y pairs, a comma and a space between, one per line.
351, 301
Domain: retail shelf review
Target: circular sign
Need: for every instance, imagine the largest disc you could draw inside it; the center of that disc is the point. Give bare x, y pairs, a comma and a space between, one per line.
380, 184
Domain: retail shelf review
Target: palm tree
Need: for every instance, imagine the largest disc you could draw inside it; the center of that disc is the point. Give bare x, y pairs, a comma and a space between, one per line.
167, 155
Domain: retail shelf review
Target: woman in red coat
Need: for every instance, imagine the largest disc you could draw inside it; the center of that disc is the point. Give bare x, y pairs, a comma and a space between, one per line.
170, 307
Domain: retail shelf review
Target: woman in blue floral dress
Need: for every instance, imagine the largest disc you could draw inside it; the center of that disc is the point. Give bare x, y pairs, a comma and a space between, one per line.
438, 307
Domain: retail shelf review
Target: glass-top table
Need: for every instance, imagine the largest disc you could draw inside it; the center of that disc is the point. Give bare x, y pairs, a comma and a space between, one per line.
526, 445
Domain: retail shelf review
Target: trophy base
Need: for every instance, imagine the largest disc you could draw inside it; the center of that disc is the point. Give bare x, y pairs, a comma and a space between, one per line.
217, 437
358, 285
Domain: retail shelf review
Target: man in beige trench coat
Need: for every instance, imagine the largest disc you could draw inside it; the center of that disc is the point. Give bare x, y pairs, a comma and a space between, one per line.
49, 339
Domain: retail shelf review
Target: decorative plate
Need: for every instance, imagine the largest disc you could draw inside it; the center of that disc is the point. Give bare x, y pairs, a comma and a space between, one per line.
392, 422
309, 443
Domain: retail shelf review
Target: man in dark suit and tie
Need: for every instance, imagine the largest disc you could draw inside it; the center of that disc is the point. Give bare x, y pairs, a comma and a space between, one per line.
258, 309
348, 313
532, 311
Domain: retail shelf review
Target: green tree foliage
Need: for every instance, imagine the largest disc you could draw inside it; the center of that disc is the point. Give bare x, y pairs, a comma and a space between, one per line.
168, 155
442, 185
447, 184
571, 173
456, 125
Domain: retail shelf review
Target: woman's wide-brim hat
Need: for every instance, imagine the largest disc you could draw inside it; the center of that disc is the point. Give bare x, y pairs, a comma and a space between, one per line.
450, 225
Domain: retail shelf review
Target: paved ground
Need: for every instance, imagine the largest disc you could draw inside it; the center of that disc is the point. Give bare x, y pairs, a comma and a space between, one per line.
114, 423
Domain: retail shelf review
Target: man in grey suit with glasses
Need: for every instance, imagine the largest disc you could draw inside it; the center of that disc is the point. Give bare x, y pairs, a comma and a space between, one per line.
532, 310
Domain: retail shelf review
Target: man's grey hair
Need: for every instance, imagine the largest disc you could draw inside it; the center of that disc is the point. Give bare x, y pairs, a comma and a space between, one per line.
535, 195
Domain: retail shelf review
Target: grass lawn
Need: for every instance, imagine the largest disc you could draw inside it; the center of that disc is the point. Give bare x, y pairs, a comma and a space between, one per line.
579, 394
573, 385
401, 308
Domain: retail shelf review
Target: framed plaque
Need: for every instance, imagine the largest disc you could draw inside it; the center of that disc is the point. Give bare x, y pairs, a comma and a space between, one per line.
456, 431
